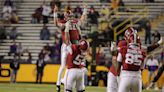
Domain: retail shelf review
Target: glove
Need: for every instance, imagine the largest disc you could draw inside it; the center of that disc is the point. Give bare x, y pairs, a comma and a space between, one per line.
57, 88
113, 46
160, 41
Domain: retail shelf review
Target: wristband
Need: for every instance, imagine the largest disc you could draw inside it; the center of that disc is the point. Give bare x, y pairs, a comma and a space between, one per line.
55, 15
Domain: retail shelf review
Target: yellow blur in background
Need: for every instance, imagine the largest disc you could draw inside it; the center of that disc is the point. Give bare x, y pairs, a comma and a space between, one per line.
27, 73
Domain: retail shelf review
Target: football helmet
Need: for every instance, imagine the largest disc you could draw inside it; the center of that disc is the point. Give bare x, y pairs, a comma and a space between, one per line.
128, 32
134, 39
68, 15
83, 45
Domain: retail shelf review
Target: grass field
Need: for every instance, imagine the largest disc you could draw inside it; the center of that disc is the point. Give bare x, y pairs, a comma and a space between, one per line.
20, 87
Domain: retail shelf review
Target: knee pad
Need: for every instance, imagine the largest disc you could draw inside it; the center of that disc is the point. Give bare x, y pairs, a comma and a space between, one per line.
81, 91
67, 90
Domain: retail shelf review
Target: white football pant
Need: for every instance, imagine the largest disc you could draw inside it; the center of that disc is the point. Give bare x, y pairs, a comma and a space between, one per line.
63, 62
130, 81
112, 83
74, 76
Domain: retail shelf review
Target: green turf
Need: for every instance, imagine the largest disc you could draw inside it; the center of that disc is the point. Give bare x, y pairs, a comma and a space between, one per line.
21, 87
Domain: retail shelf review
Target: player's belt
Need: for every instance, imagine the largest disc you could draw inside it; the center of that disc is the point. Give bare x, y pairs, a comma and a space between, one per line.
75, 41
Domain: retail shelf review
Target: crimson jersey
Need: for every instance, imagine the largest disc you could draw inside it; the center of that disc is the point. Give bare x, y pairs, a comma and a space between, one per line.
120, 44
132, 58
75, 59
73, 32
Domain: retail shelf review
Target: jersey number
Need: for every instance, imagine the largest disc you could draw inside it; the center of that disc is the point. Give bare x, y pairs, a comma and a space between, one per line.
133, 59
79, 59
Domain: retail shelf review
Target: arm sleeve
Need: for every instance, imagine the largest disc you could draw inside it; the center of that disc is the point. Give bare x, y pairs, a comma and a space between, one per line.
152, 47
119, 57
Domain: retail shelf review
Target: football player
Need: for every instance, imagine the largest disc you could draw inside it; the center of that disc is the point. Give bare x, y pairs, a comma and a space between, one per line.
75, 74
112, 83
131, 57
70, 30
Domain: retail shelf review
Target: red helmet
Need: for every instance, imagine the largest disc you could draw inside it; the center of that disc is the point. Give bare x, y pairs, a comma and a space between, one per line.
68, 14
134, 39
128, 32
83, 45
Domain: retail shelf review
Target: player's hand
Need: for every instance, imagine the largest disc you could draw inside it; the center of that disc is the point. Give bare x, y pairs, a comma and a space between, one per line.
113, 46
85, 9
58, 88
160, 41
85, 5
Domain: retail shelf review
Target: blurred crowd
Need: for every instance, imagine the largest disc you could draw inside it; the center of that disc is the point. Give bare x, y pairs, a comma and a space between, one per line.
9, 13
97, 21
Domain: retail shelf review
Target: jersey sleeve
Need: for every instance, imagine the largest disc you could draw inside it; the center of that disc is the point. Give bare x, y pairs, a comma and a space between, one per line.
121, 43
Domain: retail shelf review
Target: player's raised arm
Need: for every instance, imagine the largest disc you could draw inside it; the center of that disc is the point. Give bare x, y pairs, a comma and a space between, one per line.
83, 16
67, 36
153, 46
115, 62
55, 15
56, 19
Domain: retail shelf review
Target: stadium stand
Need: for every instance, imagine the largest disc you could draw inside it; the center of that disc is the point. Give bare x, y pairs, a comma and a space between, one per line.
30, 38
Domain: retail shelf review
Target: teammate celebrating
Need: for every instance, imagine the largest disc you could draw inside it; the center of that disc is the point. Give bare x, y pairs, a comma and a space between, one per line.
71, 34
75, 59
112, 85
131, 58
